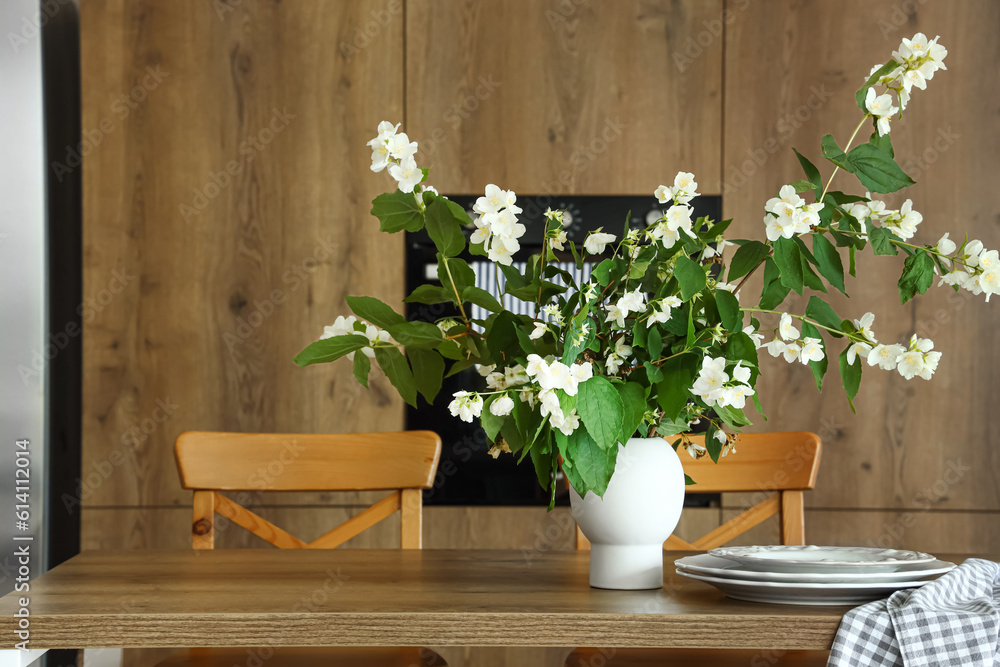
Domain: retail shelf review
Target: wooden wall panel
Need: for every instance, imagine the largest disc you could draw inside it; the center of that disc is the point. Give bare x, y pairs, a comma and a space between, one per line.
913, 444
565, 97
227, 274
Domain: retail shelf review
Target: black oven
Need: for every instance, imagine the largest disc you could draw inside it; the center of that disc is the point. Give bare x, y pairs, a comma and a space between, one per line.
467, 475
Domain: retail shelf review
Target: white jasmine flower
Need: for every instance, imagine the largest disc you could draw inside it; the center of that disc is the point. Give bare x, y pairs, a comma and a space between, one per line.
342, 326
502, 406
556, 242
496, 381
565, 423
786, 329
741, 373
500, 254
662, 309
779, 227
466, 405
919, 359
694, 449
864, 326
485, 370
527, 396
582, 372
406, 173
787, 201
776, 347
856, 350
380, 156
736, 395
720, 436
881, 107
989, 282
661, 232
597, 241
792, 352
959, 278
885, 356
616, 315
679, 218
492, 201
535, 365
663, 194
710, 385
515, 375
632, 302
754, 336
684, 187
400, 146
613, 363
720, 246
541, 328
812, 350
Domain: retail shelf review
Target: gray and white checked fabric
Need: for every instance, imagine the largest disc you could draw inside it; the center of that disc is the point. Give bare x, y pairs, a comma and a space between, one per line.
954, 620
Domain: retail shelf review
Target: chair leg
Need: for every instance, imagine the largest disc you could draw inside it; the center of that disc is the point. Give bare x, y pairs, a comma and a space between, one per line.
203, 520
793, 520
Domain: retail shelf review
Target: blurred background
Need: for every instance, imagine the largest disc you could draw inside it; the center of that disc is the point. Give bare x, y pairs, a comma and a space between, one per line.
218, 150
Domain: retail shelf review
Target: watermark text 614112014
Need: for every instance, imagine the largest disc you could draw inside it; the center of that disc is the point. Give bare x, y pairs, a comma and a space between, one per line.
22, 540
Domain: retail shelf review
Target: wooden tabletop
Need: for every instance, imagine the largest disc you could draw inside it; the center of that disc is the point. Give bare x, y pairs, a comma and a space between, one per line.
354, 597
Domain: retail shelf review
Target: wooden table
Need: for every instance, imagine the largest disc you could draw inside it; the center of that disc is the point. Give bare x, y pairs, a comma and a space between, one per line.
133, 599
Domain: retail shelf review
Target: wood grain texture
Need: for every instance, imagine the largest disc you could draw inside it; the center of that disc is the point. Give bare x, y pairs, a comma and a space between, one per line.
407, 656
154, 599
913, 444
307, 461
565, 97
216, 303
771, 461
609, 657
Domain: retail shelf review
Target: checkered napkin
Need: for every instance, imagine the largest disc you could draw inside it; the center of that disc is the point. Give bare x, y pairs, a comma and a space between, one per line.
954, 620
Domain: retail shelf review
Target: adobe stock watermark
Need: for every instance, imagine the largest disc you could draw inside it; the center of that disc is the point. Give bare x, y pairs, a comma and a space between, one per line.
247, 150
364, 34
292, 279
917, 164
59, 340
587, 153
694, 46
784, 129
459, 112
902, 13
32, 27
129, 441
121, 108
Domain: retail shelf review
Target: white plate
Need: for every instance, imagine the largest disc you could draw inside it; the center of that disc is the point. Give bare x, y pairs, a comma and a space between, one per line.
805, 594
780, 558
713, 566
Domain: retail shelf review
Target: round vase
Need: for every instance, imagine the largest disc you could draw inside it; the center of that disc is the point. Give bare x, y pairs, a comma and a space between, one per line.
639, 511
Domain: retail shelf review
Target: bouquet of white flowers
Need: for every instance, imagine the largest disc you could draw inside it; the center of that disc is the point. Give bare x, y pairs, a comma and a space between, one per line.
662, 337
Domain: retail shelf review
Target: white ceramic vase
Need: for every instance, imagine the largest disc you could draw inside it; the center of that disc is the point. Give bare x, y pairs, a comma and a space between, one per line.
639, 511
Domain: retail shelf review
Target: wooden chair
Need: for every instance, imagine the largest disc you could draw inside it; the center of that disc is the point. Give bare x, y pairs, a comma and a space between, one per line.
779, 467
211, 463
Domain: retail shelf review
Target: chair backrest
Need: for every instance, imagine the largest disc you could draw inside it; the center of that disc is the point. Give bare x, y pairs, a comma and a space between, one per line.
777, 466
210, 462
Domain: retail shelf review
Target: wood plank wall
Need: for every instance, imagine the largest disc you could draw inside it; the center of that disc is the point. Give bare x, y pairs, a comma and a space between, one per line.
180, 334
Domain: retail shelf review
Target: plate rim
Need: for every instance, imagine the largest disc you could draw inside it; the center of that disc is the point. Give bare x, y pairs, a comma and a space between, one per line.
840, 586
831, 577
748, 554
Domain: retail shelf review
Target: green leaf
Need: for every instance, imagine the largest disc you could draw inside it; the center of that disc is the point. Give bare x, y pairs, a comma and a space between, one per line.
875, 76
820, 311
883, 142
481, 298
774, 291
789, 262
688, 481
601, 410
918, 274
633, 397
398, 371
362, 366
428, 370
830, 263
818, 368
877, 170
416, 334
444, 229
430, 294
602, 272
397, 211
690, 276
653, 373
373, 310
748, 256
729, 310
732, 416
833, 153
587, 466
850, 374
654, 341
541, 459
330, 349
811, 172
490, 422
459, 270
881, 240
673, 392
801, 186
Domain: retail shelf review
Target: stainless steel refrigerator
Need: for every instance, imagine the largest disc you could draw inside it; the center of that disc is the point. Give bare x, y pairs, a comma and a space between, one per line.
40, 285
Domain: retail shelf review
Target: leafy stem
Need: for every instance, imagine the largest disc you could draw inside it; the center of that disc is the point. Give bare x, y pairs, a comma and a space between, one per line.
849, 142
458, 297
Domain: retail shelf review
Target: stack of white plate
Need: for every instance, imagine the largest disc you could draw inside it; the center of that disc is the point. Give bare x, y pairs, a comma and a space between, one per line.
811, 575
